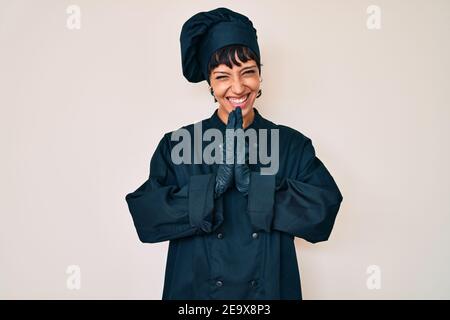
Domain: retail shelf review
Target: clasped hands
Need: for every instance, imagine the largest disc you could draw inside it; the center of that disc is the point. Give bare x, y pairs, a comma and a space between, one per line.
231, 172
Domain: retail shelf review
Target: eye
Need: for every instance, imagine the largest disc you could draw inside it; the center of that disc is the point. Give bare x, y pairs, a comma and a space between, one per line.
248, 71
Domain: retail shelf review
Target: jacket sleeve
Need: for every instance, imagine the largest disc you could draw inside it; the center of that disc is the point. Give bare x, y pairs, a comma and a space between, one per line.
162, 210
304, 206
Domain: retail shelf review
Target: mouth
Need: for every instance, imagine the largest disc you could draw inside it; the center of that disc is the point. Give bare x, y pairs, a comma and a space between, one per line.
238, 102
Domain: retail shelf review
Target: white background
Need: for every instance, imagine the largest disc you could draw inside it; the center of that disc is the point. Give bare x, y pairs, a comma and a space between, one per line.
83, 110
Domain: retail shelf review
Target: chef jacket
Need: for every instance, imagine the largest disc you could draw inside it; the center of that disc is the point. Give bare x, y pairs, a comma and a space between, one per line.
235, 246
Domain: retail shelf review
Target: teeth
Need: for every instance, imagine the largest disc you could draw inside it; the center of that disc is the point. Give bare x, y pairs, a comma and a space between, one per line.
238, 100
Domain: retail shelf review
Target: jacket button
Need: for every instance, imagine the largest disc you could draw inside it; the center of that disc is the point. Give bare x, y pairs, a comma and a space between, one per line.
219, 283
220, 235
253, 283
255, 235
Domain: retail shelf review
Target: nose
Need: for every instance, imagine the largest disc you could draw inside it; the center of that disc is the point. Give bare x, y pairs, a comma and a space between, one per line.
237, 87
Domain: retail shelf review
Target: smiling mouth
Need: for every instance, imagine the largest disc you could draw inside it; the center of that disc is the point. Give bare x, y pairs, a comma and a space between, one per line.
237, 102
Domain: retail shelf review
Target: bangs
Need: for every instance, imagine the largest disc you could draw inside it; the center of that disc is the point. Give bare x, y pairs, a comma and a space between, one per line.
227, 56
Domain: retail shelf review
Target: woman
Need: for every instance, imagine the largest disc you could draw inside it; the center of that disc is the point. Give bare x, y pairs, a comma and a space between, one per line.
231, 227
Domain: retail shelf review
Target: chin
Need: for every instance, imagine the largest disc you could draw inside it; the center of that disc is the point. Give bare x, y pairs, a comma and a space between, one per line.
245, 110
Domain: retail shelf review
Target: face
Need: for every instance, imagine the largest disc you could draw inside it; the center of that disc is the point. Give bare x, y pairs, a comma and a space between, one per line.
237, 86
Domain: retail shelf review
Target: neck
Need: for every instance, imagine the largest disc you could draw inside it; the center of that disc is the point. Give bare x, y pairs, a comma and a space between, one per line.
247, 119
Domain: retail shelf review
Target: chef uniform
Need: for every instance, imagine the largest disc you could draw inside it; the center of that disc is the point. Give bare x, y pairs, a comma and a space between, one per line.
235, 246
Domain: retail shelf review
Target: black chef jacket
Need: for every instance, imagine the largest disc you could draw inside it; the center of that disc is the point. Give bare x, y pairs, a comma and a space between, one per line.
236, 246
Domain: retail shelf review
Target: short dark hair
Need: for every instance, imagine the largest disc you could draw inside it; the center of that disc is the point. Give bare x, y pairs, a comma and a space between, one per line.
227, 56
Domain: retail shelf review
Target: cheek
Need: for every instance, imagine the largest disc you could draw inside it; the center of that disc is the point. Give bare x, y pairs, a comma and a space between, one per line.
255, 90
219, 92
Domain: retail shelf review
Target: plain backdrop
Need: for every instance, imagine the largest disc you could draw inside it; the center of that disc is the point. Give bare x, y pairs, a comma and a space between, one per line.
82, 111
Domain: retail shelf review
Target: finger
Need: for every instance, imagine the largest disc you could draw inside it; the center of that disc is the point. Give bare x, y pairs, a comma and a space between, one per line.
231, 120
239, 121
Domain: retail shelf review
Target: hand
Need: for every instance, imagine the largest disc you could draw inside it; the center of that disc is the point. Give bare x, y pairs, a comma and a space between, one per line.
225, 173
241, 169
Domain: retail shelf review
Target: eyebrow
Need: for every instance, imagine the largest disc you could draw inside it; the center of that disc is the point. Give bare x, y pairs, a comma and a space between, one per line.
241, 70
